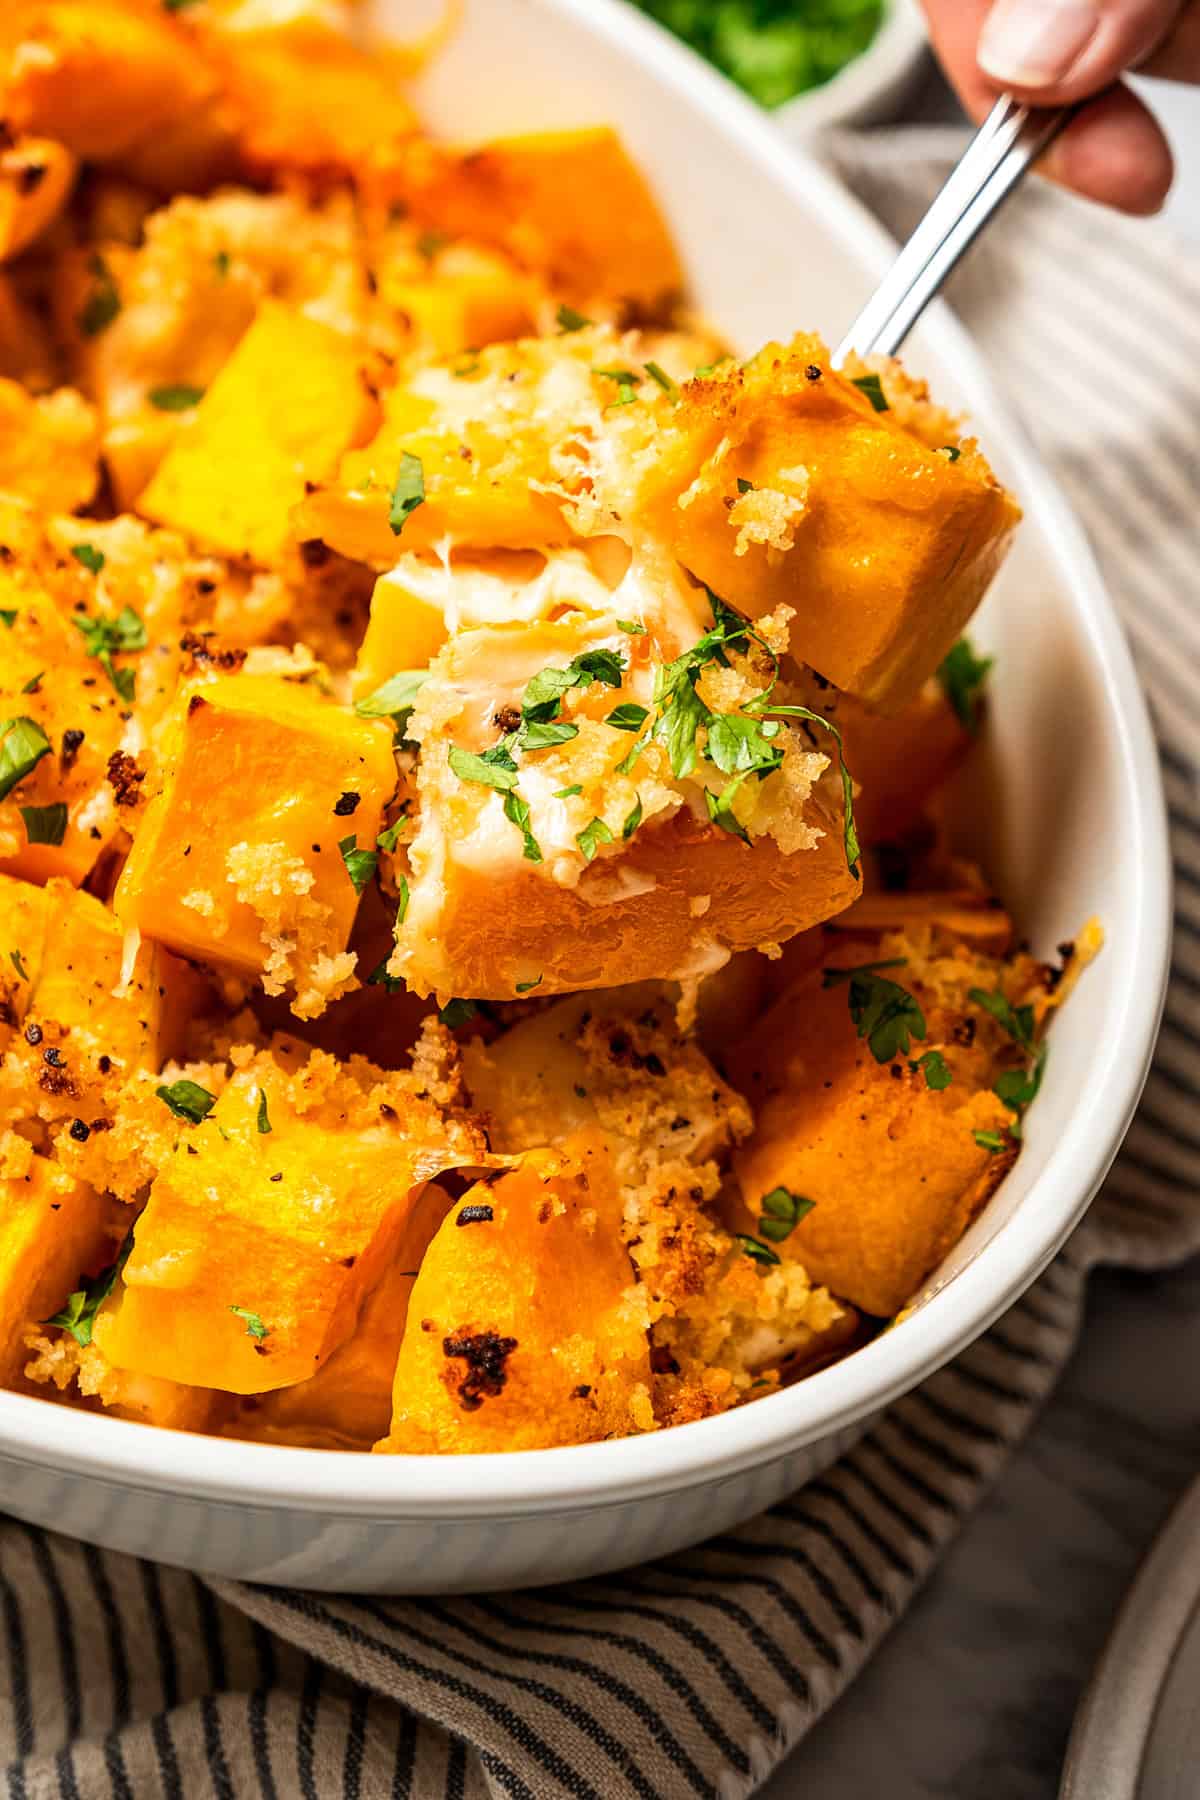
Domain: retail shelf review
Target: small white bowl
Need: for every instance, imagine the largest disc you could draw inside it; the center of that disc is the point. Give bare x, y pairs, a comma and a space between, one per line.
870, 89
1071, 812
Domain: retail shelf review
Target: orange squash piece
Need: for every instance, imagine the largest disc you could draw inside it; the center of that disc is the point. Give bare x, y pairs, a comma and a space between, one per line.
51, 1227
237, 861
281, 412
49, 447
36, 176
882, 543
274, 1219
521, 1332
900, 763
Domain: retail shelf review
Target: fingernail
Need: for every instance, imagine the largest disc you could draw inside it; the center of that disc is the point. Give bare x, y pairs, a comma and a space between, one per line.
1035, 43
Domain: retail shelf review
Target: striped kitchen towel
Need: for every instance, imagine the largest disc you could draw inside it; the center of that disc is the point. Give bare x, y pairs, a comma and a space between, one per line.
696, 1675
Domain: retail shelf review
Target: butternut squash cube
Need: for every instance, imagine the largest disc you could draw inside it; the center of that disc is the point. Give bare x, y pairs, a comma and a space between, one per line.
274, 1219
883, 543
282, 410
238, 860
51, 1227
24, 920
570, 204
892, 1166
462, 298
404, 631
522, 1332
49, 447
36, 176
99, 76
901, 762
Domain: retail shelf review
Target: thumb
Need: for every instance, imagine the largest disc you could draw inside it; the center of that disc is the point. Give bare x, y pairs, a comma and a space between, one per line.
1056, 51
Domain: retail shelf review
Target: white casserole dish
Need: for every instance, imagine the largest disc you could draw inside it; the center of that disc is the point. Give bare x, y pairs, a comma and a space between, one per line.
1071, 814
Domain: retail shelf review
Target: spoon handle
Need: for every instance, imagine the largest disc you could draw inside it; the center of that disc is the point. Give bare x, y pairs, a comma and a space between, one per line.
1010, 139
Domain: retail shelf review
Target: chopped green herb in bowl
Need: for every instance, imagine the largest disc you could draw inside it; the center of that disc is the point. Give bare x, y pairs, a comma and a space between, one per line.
773, 49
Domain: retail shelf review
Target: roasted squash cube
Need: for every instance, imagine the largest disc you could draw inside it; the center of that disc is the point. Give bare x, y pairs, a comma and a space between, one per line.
274, 1219
785, 483
892, 1165
49, 447
525, 195
36, 176
238, 861
521, 1332
283, 409
51, 1227
24, 920
405, 631
901, 762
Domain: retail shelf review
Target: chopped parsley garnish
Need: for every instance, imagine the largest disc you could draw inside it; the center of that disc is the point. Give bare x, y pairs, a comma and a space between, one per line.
429, 243
379, 976
720, 809
755, 1249
951, 452
782, 1211
254, 1326
472, 366
187, 1100
629, 716
221, 259
538, 734
1018, 1021
665, 382
33, 684
543, 695
408, 493
456, 1013
15, 958
91, 558
936, 1070
103, 302
992, 1141
1019, 1088
631, 627
632, 819
627, 381
703, 370
45, 824
570, 320
263, 1118
744, 486
962, 676
395, 699
495, 768
78, 1316
360, 864
872, 387
568, 793
884, 1013
175, 398
104, 637
591, 838
402, 898
516, 811
527, 987
23, 744
390, 836
8, 616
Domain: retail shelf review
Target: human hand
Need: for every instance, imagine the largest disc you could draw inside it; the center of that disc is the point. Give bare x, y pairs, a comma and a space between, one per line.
1054, 52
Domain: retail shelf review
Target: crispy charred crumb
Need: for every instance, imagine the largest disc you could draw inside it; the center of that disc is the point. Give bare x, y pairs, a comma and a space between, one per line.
506, 718
545, 1213
54, 1058
964, 1031
813, 372
348, 1262
481, 1214
80, 1131
57, 1082
679, 1123
623, 1053
33, 1033
195, 703
895, 1071
31, 177
202, 654
662, 1362
100, 1124
71, 742
346, 804
386, 1111
485, 1355
582, 1391
125, 777
314, 553
278, 1177
104, 1064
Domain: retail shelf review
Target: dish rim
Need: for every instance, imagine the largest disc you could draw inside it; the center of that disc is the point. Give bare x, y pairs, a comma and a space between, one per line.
353, 1486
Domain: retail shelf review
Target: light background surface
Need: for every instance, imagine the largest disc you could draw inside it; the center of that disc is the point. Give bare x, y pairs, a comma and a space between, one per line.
973, 1694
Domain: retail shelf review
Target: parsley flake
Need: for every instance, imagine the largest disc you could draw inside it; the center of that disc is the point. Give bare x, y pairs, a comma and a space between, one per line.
92, 559
23, 744
884, 1013
103, 302
263, 1117
1017, 1021
872, 387
951, 452
538, 734
187, 1100
936, 1070
45, 824
665, 382
395, 699
568, 793
516, 811
456, 1013
629, 716
755, 1249
992, 1141
78, 1316
782, 1211
495, 768
542, 698
627, 381
962, 675
408, 493
390, 836
8, 616
15, 958
570, 320
633, 819
360, 864
527, 987
175, 398
379, 976
631, 627
102, 638
402, 899
591, 838
254, 1326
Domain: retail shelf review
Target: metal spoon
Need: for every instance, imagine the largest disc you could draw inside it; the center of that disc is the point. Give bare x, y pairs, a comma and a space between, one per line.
1010, 139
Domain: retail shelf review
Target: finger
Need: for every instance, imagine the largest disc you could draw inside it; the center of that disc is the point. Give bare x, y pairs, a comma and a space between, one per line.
1114, 152
954, 27
1178, 56
1057, 51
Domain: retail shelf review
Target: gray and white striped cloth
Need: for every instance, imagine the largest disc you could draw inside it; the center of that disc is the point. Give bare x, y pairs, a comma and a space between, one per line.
695, 1675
